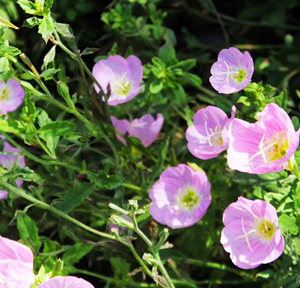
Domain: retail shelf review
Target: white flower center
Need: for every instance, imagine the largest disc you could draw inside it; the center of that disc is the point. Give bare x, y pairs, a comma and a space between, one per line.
2, 280
214, 137
121, 85
188, 199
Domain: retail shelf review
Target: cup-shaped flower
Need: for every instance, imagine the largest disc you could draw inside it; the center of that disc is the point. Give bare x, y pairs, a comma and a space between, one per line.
251, 234
180, 197
264, 146
11, 96
123, 75
145, 128
7, 161
232, 72
16, 264
208, 137
66, 282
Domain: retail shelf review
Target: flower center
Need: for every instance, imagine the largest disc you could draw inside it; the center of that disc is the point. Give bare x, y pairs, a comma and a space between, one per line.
190, 199
214, 136
240, 76
2, 280
4, 94
266, 229
121, 86
274, 148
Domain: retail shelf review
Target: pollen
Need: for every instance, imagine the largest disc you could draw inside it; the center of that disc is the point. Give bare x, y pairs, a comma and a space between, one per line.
240, 76
266, 229
4, 94
190, 199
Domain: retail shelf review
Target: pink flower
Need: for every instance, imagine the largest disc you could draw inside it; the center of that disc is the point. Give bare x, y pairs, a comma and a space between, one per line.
11, 96
251, 234
180, 197
66, 282
208, 137
232, 72
123, 75
16, 264
264, 146
7, 161
145, 128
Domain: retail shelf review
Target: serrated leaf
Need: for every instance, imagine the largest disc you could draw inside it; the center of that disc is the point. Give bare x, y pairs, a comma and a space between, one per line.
88, 51
288, 224
49, 57
49, 73
28, 6
46, 28
162, 153
75, 197
185, 65
9, 126
13, 51
167, 54
28, 230
75, 253
58, 128
51, 141
103, 180
64, 30
31, 22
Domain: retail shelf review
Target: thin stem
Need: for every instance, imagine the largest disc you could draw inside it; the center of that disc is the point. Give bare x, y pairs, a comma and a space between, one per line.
44, 147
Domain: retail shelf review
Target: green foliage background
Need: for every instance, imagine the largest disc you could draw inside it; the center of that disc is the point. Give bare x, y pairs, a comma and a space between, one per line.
76, 171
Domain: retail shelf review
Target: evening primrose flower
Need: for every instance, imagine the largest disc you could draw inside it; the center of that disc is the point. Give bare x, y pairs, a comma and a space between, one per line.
264, 146
7, 161
123, 75
66, 282
145, 128
11, 96
16, 264
180, 197
232, 72
208, 137
251, 234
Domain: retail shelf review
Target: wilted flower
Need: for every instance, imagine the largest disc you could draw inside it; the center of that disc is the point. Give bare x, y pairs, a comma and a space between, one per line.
208, 137
66, 282
251, 234
180, 197
123, 75
7, 161
264, 146
145, 128
16, 264
232, 72
120, 228
11, 96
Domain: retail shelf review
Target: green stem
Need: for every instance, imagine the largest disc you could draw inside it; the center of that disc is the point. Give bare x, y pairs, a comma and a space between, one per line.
44, 147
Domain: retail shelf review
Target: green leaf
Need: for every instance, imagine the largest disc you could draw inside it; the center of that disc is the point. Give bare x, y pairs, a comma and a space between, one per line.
13, 51
185, 65
51, 141
296, 243
31, 22
58, 128
178, 95
167, 54
295, 121
193, 79
288, 224
120, 267
88, 51
265, 274
46, 28
47, 5
20, 172
49, 57
6, 23
162, 153
28, 230
28, 6
9, 126
75, 197
29, 88
103, 180
64, 30
76, 252
49, 73
244, 100
4, 67
156, 86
